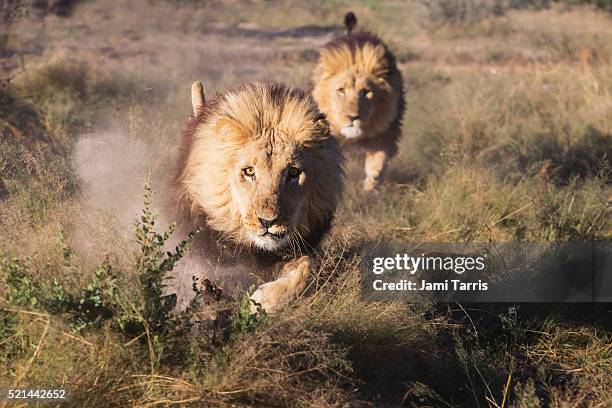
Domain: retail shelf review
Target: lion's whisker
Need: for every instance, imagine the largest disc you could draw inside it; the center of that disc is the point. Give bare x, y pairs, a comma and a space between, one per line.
306, 244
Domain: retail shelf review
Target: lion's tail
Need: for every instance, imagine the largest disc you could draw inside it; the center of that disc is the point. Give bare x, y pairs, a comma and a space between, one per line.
350, 21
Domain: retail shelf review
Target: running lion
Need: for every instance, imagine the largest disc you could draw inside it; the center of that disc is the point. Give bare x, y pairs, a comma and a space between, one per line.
260, 177
359, 88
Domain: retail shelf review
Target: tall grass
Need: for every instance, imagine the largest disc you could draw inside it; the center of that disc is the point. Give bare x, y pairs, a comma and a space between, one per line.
507, 137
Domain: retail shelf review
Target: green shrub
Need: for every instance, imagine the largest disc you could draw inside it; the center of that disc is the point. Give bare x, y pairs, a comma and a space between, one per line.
153, 264
101, 298
21, 289
243, 320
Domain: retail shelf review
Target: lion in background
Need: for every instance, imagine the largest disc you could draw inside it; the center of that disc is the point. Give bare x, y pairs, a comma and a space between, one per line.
359, 88
260, 177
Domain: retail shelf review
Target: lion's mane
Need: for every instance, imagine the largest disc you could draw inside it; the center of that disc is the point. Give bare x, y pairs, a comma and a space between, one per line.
203, 194
369, 56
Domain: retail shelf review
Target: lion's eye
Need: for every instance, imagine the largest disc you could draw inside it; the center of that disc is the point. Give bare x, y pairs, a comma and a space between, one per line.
248, 171
366, 92
294, 172
340, 91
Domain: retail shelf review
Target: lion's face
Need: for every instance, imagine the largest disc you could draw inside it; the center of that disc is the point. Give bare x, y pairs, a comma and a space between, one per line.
262, 167
353, 99
353, 88
272, 191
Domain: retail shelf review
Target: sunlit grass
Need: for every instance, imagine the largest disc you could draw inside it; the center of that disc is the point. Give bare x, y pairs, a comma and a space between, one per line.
507, 137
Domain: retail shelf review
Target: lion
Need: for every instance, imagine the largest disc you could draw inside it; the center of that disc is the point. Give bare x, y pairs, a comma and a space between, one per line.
357, 85
260, 177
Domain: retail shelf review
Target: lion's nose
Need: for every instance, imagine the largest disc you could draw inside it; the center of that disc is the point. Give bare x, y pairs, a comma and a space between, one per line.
353, 117
267, 223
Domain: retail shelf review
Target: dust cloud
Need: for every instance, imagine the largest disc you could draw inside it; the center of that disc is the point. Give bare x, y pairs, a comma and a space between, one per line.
113, 167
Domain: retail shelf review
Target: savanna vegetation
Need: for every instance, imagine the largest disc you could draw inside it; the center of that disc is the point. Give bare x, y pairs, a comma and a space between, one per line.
507, 137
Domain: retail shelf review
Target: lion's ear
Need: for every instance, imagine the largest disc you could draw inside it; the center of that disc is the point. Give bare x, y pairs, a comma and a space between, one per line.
229, 130
197, 97
380, 51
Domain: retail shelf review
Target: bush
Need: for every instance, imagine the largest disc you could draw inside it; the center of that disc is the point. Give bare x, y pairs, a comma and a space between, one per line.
600, 4
464, 12
101, 299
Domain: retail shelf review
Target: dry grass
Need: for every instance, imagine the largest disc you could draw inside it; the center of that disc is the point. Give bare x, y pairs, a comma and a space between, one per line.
507, 137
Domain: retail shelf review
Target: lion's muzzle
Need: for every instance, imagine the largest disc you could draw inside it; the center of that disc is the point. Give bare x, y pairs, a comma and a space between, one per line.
351, 132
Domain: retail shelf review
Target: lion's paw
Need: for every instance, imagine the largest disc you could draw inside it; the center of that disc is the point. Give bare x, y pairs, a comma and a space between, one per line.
370, 185
274, 295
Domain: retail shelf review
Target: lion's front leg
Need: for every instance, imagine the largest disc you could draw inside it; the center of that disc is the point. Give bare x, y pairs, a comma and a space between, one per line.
274, 295
375, 168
